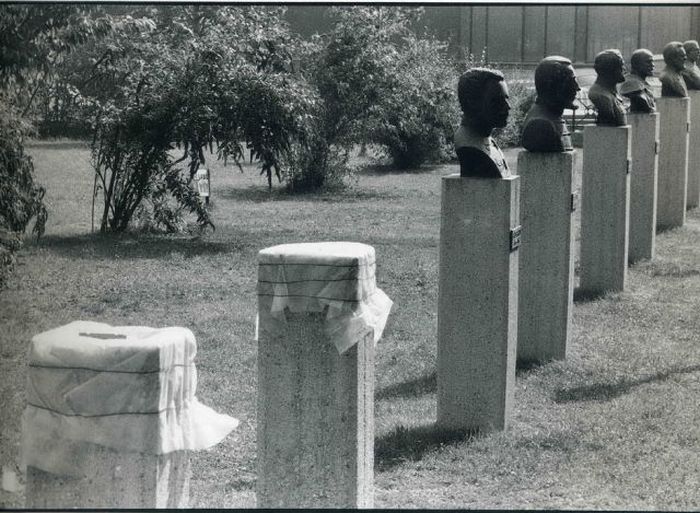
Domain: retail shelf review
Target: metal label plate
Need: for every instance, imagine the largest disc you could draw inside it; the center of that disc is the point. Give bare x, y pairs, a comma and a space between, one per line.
574, 202
515, 234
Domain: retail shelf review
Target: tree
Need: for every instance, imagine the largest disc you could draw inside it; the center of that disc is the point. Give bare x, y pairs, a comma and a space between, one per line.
205, 77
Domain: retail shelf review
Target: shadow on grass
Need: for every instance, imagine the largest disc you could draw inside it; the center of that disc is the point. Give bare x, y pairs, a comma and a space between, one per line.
584, 296
410, 444
389, 170
258, 194
607, 391
59, 144
671, 269
525, 366
666, 229
426, 384
133, 246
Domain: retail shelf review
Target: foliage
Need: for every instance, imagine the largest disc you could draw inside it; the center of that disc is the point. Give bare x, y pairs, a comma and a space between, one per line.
20, 198
522, 95
32, 40
350, 68
356, 65
416, 115
204, 77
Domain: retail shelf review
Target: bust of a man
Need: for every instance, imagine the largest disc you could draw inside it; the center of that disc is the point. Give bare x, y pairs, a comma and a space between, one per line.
544, 129
691, 73
635, 87
672, 83
483, 97
610, 67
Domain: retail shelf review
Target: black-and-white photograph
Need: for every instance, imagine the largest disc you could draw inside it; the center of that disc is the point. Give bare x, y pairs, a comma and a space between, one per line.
349, 255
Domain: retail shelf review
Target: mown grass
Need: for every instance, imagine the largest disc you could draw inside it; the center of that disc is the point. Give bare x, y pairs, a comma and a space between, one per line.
614, 426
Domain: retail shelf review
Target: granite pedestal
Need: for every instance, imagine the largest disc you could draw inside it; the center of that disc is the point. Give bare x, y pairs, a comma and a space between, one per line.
693, 196
546, 275
477, 302
111, 415
674, 116
605, 192
316, 346
643, 185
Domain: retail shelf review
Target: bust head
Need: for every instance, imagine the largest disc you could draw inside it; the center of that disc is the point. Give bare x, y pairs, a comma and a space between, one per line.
674, 56
692, 50
555, 83
610, 66
642, 63
483, 97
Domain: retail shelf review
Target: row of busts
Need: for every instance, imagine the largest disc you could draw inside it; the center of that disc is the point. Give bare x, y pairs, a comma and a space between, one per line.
483, 97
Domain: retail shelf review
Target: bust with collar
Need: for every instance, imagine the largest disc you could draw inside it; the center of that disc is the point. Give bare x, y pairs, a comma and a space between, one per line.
483, 97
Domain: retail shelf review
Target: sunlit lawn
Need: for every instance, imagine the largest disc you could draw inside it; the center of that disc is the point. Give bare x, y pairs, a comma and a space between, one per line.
615, 426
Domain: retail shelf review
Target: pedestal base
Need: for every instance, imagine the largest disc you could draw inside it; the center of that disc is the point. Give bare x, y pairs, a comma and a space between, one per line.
673, 162
546, 256
478, 302
315, 422
643, 186
605, 208
693, 196
114, 480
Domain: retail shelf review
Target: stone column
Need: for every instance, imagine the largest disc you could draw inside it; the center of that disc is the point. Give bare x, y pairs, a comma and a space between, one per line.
643, 185
316, 345
693, 197
477, 302
111, 415
545, 289
673, 162
605, 191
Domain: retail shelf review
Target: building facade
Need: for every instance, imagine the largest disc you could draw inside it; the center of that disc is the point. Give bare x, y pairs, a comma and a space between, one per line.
523, 34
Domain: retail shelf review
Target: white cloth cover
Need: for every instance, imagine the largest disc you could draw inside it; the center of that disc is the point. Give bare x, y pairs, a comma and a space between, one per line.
309, 277
128, 388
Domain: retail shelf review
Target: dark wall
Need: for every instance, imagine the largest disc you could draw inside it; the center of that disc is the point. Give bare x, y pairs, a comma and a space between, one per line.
525, 34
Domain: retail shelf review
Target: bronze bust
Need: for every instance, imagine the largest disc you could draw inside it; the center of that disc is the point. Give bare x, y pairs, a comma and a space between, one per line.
544, 129
672, 83
691, 73
483, 97
610, 67
635, 87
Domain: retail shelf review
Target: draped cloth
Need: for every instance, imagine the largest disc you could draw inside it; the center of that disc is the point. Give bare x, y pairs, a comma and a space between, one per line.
127, 388
335, 277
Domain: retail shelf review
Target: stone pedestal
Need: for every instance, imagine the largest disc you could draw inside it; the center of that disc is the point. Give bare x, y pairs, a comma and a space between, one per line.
605, 192
693, 196
315, 423
111, 417
114, 480
546, 275
643, 185
477, 302
673, 162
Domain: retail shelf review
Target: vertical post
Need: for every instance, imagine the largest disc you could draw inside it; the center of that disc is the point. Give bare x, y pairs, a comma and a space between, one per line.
643, 185
605, 211
546, 274
673, 162
477, 302
315, 425
693, 198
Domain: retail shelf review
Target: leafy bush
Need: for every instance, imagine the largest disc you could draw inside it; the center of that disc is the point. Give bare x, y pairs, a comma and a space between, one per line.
416, 115
21, 199
203, 78
521, 88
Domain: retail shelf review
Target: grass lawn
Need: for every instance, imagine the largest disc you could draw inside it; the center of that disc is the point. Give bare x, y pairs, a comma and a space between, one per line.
615, 426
